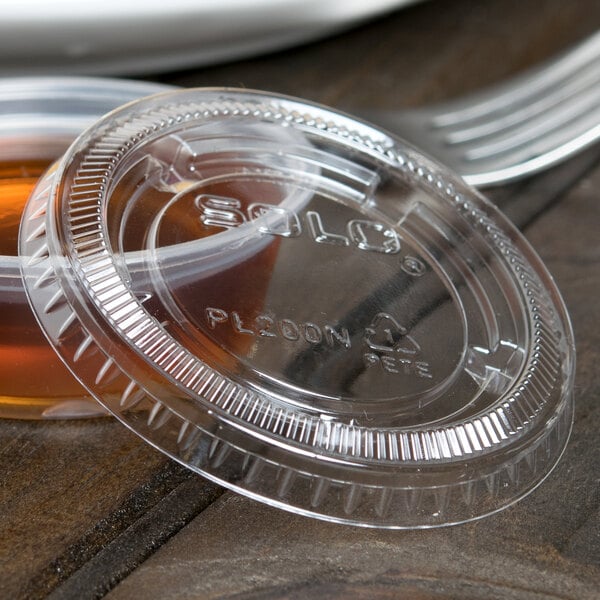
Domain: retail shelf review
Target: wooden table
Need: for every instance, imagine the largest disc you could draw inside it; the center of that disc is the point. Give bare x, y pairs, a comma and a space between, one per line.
87, 509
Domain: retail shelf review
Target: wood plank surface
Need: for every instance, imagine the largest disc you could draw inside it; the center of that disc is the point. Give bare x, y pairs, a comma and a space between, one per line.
87, 508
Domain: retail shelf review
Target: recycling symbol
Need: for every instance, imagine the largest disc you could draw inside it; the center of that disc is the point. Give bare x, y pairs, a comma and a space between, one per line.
385, 334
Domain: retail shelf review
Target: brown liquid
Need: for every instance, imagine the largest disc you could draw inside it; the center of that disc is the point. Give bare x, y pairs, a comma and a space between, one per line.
34, 383
17, 180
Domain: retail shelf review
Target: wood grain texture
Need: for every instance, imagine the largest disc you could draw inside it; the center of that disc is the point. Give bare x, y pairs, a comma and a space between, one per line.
83, 504
69, 489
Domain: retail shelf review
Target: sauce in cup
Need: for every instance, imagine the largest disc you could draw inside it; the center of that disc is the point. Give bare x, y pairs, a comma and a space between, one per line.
34, 383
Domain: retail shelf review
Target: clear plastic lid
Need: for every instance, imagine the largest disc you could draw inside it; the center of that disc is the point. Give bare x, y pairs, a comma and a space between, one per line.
302, 308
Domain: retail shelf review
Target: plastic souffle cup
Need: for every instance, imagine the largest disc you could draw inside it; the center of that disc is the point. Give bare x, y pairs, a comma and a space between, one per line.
39, 119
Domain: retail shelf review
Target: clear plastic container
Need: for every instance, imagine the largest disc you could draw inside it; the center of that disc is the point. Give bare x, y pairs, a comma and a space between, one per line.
39, 118
302, 308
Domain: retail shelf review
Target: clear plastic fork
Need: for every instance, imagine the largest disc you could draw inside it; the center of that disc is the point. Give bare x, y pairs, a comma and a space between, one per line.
516, 128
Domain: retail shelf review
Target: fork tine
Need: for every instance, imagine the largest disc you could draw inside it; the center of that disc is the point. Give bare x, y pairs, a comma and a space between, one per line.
508, 170
576, 112
542, 148
584, 82
522, 89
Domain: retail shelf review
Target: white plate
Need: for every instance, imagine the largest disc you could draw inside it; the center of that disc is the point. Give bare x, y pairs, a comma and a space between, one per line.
129, 36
